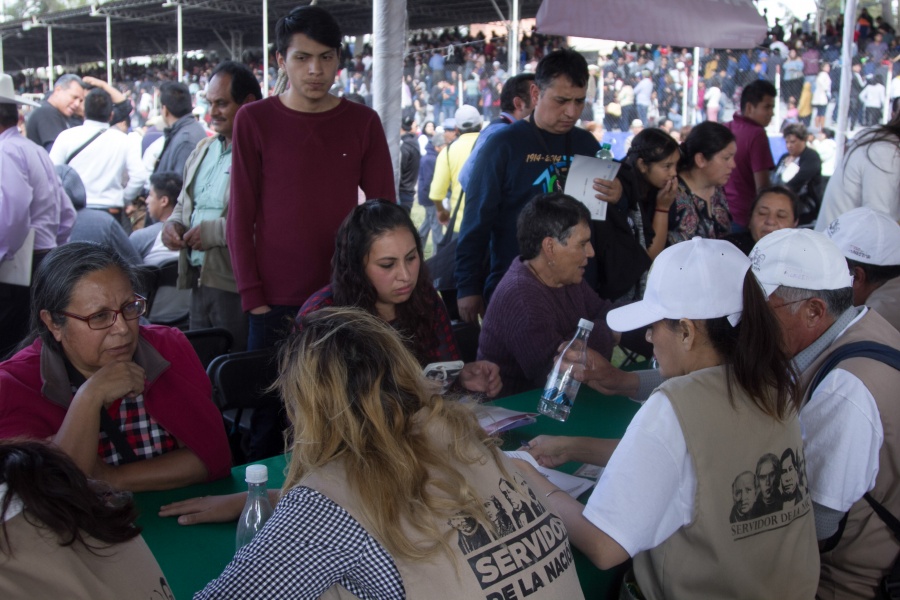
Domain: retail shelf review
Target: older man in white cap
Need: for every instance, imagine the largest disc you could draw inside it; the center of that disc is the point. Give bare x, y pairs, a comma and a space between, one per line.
31, 198
870, 241
850, 416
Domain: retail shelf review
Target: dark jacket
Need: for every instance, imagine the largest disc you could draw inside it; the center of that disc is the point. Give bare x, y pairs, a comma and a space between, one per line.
409, 163
426, 174
181, 139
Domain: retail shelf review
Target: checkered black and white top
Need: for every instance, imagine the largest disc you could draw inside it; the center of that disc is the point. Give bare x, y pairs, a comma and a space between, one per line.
290, 558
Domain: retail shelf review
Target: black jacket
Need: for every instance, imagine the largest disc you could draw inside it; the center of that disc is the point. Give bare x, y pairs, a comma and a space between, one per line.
409, 162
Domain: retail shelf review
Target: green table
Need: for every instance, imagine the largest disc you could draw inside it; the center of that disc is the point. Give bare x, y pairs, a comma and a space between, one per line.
195, 555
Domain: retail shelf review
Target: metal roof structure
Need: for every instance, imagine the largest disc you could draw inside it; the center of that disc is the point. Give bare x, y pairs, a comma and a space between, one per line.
149, 27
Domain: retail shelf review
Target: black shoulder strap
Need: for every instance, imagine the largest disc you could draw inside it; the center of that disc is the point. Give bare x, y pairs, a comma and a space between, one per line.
873, 350
85, 145
882, 353
117, 438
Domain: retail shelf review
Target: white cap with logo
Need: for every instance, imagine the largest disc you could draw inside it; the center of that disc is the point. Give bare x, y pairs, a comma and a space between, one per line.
867, 236
799, 258
698, 279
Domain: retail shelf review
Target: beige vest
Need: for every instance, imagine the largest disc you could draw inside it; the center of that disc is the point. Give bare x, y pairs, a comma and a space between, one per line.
886, 300
525, 553
752, 535
867, 548
40, 568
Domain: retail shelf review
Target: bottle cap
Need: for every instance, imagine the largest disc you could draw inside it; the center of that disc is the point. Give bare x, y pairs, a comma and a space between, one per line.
606, 146
585, 324
257, 474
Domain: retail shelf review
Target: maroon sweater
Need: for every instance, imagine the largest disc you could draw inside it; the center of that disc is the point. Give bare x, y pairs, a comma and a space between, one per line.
526, 322
294, 178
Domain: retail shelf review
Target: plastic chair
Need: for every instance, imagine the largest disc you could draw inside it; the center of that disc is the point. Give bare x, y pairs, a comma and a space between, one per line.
210, 343
171, 306
240, 383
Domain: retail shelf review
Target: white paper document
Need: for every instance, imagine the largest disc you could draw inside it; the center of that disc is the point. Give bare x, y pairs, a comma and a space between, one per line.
580, 182
573, 486
17, 270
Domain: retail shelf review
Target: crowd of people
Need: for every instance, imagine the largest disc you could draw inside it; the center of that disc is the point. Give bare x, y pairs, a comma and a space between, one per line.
767, 293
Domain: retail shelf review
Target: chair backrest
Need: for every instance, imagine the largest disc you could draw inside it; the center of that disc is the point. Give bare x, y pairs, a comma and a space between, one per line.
466, 335
149, 282
172, 306
210, 343
240, 380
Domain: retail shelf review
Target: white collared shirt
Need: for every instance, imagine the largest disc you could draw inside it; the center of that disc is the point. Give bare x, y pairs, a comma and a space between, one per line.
110, 167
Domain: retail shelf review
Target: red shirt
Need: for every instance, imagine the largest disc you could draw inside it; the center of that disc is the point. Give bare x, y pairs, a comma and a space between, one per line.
294, 178
753, 155
35, 393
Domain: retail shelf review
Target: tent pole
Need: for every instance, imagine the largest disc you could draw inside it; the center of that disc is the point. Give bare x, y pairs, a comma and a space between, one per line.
180, 47
695, 93
513, 42
109, 50
389, 31
846, 71
265, 25
50, 78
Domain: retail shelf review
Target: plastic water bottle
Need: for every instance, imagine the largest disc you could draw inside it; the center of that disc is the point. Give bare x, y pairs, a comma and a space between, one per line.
562, 387
605, 151
258, 508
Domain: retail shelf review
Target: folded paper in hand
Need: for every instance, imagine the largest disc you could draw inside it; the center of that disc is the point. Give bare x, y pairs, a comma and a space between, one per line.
580, 182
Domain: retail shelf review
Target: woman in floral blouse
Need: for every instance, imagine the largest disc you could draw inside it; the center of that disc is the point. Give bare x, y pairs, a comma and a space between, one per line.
700, 208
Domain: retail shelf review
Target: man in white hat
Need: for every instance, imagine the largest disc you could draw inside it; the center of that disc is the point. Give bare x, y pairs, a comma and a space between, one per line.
850, 418
31, 198
870, 241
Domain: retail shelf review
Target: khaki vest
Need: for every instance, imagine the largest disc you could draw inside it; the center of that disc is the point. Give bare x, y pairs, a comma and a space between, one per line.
867, 548
750, 538
525, 554
39, 567
886, 301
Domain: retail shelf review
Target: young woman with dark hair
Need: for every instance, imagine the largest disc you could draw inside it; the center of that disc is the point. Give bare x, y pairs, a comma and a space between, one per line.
62, 532
730, 400
650, 184
707, 160
378, 266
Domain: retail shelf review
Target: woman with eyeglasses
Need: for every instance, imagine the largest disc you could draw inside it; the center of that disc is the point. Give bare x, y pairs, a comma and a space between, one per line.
129, 404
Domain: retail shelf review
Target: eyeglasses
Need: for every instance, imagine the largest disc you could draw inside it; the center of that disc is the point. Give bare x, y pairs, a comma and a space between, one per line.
789, 303
105, 319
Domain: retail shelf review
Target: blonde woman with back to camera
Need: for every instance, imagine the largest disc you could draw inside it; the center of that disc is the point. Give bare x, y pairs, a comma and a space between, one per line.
391, 491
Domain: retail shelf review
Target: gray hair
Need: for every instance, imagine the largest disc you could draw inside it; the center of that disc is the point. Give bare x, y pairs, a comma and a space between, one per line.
65, 81
836, 301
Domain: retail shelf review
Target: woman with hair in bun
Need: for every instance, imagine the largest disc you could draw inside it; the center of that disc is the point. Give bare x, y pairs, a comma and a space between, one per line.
707, 160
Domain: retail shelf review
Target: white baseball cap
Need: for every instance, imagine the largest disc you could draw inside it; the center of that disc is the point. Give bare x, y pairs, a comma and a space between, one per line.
799, 258
698, 279
467, 117
867, 236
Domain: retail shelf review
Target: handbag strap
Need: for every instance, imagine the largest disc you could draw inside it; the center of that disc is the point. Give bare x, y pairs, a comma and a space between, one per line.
451, 225
85, 145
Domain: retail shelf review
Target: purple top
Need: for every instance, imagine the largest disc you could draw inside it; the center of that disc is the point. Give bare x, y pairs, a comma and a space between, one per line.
526, 321
31, 197
753, 155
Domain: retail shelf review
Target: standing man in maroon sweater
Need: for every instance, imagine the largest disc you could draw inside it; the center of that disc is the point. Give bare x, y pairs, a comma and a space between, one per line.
299, 158
754, 156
